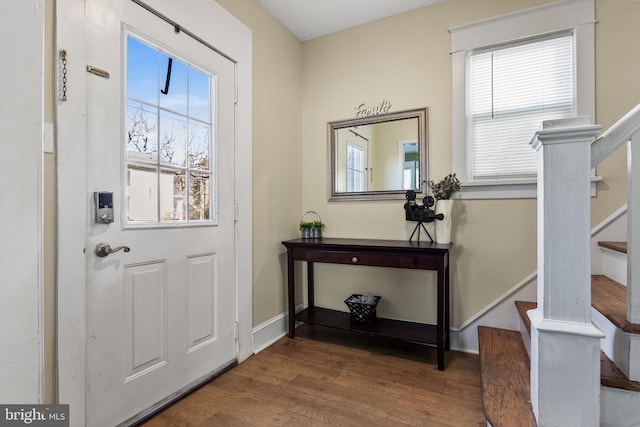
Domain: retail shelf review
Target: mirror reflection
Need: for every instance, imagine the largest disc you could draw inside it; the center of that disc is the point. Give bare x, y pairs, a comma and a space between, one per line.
378, 157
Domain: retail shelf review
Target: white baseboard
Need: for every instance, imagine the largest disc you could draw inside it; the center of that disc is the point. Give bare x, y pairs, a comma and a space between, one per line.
267, 333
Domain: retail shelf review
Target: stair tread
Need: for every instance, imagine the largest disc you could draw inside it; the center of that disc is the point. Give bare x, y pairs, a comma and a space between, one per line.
610, 374
504, 372
610, 298
523, 307
614, 246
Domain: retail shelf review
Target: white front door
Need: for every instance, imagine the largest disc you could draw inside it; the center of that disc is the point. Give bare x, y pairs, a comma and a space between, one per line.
160, 138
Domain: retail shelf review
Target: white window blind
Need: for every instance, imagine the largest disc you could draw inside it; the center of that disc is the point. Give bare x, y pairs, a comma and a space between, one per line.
512, 90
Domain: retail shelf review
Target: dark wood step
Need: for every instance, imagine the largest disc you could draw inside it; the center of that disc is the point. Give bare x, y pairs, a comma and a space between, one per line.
614, 246
610, 298
523, 307
504, 374
610, 374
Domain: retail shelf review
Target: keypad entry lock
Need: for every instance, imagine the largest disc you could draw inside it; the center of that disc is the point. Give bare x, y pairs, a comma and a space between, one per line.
103, 205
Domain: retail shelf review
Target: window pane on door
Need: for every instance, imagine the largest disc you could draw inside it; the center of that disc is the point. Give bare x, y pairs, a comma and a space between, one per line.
198, 146
175, 83
142, 130
173, 139
199, 90
199, 196
142, 193
169, 138
173, 197
143, 63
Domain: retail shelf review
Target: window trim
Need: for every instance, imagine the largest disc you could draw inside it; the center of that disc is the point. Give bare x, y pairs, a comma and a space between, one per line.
577, 16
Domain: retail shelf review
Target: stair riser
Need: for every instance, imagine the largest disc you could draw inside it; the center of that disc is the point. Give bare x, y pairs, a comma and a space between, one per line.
614, 265
622, 348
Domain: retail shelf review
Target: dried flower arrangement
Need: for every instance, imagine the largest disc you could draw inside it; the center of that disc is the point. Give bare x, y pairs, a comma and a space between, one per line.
446, 187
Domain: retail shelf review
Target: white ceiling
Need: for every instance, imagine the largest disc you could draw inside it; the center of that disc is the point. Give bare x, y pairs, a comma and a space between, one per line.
308, 19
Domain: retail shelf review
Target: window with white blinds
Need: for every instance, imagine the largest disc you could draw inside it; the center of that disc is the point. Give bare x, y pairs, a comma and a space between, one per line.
511, 91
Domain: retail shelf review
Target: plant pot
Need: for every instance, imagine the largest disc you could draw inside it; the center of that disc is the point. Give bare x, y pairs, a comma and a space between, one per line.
306, 233
443, 227
316, 232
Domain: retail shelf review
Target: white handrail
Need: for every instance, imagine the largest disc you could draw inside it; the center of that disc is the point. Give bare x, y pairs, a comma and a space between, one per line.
615, 136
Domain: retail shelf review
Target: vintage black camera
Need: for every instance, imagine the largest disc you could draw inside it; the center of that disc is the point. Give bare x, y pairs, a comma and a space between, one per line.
420, 213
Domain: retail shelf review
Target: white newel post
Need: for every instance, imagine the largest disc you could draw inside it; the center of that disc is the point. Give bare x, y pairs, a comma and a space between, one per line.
565, 346
633, 229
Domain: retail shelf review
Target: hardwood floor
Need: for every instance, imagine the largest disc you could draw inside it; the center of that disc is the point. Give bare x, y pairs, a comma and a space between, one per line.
325, 377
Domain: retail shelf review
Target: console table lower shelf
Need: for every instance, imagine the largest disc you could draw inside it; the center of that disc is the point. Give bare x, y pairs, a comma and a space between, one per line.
389, 328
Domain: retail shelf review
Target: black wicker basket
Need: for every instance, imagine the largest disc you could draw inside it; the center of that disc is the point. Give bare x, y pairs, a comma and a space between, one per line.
360, 312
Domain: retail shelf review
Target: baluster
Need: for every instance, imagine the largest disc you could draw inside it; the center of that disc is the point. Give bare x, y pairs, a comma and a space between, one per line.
633, 229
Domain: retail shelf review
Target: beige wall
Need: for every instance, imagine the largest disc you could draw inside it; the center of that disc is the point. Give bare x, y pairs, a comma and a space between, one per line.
405, 59
617, 91
277, 152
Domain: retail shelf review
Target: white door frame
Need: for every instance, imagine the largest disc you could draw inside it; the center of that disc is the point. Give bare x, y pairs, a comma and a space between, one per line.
221, 29
21, 217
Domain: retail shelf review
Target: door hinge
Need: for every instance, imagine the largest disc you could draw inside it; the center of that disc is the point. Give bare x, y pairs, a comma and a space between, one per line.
235, 95
236, 330
235, 212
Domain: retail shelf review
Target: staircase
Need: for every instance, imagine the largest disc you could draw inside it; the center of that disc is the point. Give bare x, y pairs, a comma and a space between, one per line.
505, 364
552, 371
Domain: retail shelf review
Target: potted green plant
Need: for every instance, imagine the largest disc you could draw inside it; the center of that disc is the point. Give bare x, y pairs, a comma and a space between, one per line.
305, 229
442, 191
311, 228
316, 229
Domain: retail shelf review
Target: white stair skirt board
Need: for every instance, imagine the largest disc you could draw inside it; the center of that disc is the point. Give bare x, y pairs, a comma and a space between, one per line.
619, 408
501, 313
621, 347
614, 265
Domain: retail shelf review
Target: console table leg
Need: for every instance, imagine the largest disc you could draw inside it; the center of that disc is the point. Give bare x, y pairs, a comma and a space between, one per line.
440, 323
310, 285
291, 294
447, 307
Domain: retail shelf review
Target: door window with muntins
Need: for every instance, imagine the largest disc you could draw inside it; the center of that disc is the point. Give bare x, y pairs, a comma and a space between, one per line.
169, 138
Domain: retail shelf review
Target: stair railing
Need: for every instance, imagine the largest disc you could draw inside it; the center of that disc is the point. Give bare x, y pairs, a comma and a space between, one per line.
627, 131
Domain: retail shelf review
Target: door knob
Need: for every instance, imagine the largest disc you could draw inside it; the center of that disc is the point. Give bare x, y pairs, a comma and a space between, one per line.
104, 249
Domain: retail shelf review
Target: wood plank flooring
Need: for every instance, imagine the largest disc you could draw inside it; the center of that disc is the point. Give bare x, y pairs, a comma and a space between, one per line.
326, 377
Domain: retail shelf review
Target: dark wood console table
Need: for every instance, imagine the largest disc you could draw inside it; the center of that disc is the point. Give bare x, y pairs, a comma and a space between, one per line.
381, 253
